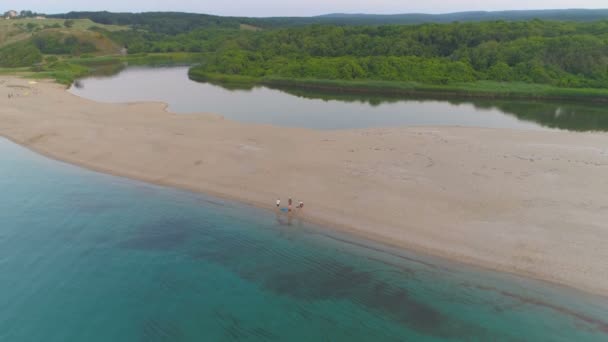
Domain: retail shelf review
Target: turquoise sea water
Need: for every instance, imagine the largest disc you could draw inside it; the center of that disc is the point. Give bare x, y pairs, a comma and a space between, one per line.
91, 257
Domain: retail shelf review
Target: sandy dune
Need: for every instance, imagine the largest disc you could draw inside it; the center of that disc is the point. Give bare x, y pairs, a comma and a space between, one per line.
529, 202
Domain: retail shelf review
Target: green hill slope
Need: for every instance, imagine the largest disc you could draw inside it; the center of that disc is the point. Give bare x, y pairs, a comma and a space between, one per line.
24, 42
12, 31
175, 22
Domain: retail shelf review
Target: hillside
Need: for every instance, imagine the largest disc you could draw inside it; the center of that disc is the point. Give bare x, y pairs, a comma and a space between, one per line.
170, 23
176, 22
12, 31
580, 15
566, 54
25, 42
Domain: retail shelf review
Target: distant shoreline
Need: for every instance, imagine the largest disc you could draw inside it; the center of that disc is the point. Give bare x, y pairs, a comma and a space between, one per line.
85, 67
525, 202
479, 90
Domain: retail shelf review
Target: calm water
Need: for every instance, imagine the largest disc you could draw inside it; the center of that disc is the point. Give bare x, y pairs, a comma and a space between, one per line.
326, 111
91, 257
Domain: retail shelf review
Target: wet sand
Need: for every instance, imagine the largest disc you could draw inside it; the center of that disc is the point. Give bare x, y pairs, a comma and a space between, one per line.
533, 203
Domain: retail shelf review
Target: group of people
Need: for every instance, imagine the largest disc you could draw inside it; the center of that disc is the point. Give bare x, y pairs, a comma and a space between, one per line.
290, 204
14, 95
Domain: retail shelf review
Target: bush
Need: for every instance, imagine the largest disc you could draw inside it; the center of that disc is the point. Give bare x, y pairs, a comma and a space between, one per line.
51, 59
57, 44
19, 54
31, 27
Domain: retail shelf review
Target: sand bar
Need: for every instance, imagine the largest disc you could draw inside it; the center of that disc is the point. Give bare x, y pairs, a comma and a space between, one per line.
530, 202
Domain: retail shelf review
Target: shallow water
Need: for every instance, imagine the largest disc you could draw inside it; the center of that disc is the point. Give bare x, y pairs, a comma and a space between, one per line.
296, 108
91, 257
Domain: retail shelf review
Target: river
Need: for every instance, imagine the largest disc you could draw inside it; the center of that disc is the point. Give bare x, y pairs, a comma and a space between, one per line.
86, 256
318, 110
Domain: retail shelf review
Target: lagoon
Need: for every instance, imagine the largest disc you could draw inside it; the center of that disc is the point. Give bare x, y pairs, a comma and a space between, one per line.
319, 110
91, 257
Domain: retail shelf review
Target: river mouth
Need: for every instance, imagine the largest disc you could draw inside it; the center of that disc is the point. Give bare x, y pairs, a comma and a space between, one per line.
289, 107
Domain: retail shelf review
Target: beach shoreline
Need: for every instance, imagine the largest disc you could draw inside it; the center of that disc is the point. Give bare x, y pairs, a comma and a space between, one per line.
404, 187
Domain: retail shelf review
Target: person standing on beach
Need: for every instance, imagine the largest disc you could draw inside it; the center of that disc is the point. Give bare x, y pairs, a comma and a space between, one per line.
289, 203
301, 205
278, 202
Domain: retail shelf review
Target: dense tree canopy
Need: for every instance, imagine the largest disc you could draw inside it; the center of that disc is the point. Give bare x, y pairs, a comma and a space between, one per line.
170, 23
58, 44
178, 22
557, 53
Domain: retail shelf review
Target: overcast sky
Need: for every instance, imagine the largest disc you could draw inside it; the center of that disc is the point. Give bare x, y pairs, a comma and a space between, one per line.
294, 7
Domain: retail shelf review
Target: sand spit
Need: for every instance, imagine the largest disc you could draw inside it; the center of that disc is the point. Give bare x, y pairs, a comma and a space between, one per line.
529, 202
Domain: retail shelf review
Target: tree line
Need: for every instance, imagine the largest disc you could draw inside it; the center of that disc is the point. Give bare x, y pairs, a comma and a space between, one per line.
178, 22
565, 54
558, 53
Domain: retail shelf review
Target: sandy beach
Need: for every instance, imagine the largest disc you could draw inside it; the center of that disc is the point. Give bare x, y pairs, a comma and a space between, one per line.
533, 203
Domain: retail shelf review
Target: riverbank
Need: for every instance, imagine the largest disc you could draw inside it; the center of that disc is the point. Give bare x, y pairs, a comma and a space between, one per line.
479, 89
67, 70
527, 202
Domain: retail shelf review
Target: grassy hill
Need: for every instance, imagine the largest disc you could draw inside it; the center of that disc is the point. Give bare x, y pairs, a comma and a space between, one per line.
12, 31
170, 23
74, 42
28, 42
24, 42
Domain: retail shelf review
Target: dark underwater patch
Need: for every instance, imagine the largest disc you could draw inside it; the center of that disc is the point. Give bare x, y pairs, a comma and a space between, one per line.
598, 324
312, 278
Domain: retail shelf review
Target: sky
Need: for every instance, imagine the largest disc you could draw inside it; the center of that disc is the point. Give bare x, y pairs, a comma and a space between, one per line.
257, 8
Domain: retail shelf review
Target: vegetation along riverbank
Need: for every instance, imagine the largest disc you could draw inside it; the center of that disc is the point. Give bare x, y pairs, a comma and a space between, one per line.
504, 58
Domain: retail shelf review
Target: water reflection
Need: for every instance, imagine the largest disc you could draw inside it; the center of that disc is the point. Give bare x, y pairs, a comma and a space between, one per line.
567, 115
322, 110
573, 116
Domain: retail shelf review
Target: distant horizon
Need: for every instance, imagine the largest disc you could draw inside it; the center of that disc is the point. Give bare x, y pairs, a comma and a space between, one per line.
300, 8
317, 15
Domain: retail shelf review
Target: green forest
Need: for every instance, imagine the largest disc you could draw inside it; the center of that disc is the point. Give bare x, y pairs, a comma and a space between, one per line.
472, 55
561, 54
176, 22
